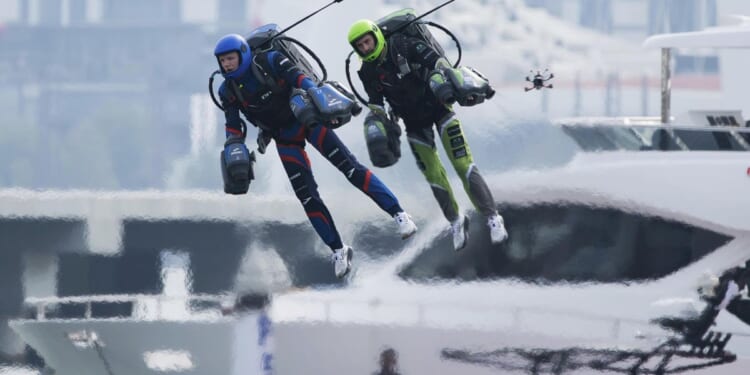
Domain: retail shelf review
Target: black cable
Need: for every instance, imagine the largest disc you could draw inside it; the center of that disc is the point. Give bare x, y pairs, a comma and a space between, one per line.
279, 34
311, 53
307, 17
455, 40
422, 16
430, 23
211, 89
349, 78
104, 360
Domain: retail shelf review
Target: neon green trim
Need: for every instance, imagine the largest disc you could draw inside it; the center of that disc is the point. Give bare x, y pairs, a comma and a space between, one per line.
432, 169
460, 164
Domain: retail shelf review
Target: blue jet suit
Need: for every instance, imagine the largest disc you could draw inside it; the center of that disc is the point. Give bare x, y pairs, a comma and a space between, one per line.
268, 108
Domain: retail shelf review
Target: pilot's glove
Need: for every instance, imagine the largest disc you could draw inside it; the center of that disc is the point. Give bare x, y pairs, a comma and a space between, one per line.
441, 87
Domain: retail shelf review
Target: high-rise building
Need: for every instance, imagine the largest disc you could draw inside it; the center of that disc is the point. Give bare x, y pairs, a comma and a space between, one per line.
232, 12
49, 13
635, 20
77, 12
597, 15
665, 16
141, 12
552, 6
68, 64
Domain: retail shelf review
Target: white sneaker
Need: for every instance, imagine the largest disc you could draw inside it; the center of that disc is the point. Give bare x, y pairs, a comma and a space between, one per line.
406, 226
497, 228
460, 229
342, 261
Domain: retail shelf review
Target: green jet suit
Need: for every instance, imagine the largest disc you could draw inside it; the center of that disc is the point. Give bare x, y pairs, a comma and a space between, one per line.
422, 144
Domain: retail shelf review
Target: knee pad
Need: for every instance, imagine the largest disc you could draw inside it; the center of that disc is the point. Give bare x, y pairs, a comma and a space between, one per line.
456, 147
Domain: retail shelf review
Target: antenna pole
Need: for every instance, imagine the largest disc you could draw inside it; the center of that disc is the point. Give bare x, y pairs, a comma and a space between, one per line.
666, 85
423, 15
308, 16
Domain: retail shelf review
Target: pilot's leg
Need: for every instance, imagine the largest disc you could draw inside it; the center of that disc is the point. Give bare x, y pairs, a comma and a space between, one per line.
422, 143
459, 154
331, 147
297, 167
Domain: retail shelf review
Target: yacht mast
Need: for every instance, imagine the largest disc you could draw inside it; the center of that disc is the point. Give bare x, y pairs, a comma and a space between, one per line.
733, 36
666, 84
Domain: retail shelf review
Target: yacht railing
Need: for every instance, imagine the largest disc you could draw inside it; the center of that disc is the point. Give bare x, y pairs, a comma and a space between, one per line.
475, 316
139, 306
628, 121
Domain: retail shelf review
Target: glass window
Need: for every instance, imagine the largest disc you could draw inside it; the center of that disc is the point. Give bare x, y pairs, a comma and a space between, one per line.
571, 243
703, 140
611, 138
663, 140
604, 138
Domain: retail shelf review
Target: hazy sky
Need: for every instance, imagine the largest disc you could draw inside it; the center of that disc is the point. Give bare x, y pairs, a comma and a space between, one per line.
205, 10
8, 10
193, 10
325, 37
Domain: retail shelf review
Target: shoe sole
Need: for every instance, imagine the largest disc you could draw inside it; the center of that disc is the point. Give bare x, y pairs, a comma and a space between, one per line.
495, 242
466, 234
405, 236
349, 256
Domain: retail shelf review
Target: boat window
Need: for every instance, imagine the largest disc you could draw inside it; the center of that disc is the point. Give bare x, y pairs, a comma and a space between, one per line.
663, 140
569, 243
701, 140
604, 138
646, 138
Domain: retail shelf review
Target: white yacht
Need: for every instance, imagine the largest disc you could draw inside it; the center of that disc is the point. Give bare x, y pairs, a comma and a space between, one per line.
175, 331
598, 248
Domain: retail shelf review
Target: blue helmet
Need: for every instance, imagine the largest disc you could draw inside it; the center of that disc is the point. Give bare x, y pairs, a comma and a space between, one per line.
234, 42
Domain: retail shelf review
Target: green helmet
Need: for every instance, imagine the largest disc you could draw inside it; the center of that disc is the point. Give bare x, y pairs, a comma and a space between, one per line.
362, 28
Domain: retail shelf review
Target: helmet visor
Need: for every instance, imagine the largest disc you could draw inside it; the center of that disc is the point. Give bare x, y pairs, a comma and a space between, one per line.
367, 45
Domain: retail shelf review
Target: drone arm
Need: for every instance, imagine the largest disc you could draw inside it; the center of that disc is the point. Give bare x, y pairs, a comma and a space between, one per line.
539, 80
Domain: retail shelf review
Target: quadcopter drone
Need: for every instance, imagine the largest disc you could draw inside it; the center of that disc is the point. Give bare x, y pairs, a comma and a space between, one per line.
539, 80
